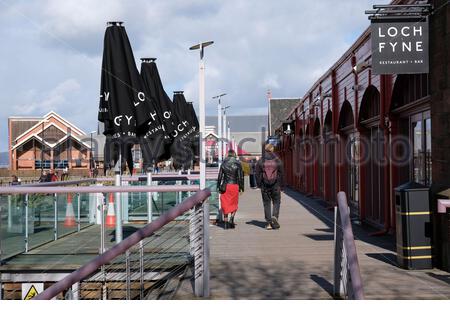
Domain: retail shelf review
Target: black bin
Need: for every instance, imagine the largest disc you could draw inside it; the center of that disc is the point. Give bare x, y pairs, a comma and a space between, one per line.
412, 206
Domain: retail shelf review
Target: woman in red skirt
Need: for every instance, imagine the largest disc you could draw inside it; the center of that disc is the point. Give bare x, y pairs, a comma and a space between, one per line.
229, 183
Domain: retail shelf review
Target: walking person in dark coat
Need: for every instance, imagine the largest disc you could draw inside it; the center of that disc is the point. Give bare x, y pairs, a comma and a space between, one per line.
229, 183
269, 177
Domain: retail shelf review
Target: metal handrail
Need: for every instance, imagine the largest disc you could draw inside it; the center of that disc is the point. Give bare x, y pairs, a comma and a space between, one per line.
159, 177
96, 189
59, 183
347, 275
122, 247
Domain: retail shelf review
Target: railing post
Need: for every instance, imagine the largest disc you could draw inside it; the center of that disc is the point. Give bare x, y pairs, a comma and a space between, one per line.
128, 275
179, 192
149, 197
102, 245
118, 182
347, 276
10, 219
102, 225
124, 204
26, 222
76, 291
189, 181
206, 249
79, 211
199, 239
335, 266
55, 208
141, 270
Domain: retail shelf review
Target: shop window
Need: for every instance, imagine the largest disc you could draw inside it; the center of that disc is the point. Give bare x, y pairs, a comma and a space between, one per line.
421, 146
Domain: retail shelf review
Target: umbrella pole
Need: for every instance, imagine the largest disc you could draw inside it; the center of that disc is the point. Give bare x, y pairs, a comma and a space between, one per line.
118, 182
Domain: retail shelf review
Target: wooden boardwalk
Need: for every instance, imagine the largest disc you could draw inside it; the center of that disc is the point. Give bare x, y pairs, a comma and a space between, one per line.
249, 262
296, 261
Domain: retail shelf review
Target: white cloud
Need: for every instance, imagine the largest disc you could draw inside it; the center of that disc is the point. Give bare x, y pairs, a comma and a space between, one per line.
53, 100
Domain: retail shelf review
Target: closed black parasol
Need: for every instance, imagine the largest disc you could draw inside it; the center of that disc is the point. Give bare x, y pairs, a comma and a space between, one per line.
157, 148
195, 138
123, 104
183, 148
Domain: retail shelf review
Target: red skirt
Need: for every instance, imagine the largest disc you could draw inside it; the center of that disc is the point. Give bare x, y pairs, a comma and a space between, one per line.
229, 200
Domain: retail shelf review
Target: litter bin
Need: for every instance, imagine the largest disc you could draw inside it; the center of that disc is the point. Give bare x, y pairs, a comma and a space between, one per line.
412, 206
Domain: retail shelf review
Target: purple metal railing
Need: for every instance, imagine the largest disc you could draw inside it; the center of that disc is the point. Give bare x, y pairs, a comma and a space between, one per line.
125, 245
347, 275
59, 183
95, 189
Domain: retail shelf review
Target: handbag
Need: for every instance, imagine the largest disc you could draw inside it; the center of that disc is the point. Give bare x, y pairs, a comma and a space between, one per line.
222, 186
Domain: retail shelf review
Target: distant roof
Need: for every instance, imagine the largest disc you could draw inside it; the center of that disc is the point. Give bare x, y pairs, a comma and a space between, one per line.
280, 108
244, 123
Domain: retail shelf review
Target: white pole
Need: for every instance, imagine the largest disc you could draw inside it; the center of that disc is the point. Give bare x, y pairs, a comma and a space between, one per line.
229, 132
149, 197
118, 182
201, 98
224, 135
219, 132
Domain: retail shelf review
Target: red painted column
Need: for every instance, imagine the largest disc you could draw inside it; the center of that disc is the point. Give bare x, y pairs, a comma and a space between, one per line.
335, 117
385, 94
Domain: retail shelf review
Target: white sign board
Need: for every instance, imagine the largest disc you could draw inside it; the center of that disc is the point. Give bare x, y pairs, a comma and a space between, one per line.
30, 290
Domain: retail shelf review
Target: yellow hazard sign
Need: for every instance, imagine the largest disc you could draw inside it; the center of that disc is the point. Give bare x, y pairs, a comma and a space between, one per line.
30, 290
31, 293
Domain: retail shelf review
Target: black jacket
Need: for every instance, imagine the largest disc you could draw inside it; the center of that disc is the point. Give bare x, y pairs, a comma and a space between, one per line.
260, 170
231, 173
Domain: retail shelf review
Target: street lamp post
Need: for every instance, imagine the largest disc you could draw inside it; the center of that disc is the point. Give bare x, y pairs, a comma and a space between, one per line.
229, 134
219, 128
224, 129
201, 99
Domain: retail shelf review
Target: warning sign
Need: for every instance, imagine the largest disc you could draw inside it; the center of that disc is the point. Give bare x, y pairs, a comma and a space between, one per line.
30, 290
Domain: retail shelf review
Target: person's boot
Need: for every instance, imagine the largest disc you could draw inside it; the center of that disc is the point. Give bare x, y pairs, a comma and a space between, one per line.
232, 222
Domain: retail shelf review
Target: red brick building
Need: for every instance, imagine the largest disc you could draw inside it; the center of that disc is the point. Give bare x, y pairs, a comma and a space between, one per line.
366, 134
50, 142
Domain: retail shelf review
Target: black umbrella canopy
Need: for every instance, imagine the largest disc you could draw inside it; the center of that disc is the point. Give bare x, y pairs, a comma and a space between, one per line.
123, 105
155, 90
157, 149
195, 138
184, 144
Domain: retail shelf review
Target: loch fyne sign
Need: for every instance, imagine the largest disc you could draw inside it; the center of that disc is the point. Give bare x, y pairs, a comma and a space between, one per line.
399, 47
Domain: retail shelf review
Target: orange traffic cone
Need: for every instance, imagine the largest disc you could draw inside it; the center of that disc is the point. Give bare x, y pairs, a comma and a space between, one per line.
69, 221
111, 215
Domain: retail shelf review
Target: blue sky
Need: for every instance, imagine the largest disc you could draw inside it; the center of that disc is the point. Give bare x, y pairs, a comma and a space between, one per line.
51, 50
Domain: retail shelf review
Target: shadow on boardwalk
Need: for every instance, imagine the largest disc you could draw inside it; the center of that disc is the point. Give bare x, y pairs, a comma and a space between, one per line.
362, 232
263, 280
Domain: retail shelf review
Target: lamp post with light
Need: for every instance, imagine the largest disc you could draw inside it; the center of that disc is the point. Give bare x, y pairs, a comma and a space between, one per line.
201, 100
